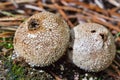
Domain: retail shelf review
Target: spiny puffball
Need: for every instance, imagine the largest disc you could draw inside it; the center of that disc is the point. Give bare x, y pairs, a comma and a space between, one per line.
42, 39
93, 47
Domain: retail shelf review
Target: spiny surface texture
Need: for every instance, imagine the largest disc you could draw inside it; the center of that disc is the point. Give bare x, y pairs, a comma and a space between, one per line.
42, 39
93, 47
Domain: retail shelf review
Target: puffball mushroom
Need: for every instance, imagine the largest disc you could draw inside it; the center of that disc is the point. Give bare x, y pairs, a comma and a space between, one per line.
42, 39
93, 47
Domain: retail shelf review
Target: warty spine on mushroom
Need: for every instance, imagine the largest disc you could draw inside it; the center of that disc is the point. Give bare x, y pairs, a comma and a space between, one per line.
42, 39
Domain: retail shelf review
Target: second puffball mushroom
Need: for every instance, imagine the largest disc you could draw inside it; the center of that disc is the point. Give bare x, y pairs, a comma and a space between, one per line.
42, 39
93, 47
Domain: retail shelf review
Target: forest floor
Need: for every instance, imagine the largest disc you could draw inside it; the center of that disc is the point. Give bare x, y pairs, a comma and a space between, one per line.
74, 12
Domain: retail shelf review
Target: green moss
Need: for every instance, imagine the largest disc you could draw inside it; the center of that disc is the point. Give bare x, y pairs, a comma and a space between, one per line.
118, 34
7, 43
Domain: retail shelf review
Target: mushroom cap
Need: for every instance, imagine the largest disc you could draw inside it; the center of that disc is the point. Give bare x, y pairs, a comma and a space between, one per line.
42, 39
93, 47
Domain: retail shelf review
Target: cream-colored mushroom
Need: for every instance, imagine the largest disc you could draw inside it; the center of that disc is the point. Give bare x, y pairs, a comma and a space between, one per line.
42, 39
93, 47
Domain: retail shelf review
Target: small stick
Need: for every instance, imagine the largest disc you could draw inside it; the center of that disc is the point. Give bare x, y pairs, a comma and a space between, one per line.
63, 14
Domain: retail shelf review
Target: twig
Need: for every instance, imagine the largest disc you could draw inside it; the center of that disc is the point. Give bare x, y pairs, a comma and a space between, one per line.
6, 34
117, 63
15, 18
15, 23
56, 77
105, 24
63, 14
12, 28
116, 69
79, 10
88, 6
97, 20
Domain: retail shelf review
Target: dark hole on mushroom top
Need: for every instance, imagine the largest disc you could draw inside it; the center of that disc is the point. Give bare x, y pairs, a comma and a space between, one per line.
93, 31
103, 36
50, 29
70, 48
33, 24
